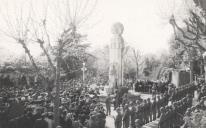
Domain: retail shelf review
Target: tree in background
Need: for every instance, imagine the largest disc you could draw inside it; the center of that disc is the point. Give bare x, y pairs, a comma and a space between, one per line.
151, 63
57, 28
192, 36
16, 26
137, 56
102, 62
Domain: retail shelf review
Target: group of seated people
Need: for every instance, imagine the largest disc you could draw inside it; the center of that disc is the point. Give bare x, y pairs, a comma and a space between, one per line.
34, 108
148, 86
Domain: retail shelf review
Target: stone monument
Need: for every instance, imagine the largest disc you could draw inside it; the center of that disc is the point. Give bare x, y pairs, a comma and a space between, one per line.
116, 57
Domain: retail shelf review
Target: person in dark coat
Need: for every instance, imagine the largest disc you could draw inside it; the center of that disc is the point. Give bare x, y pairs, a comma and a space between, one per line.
162, 123
68, 121
41, 123
92, 122
126, 116
108, 105
13, 123
159, 103
118, 119
144, 108
37, 115
137, 123
149, 110
25, 121
102, 119
133, 116
153, 108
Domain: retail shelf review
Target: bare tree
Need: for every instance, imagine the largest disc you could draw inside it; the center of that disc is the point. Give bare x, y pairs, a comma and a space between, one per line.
194, 33
63, 18
137, 58
68, 16
17, 27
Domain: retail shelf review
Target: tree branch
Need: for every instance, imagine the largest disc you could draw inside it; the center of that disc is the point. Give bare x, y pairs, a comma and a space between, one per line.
41, 43
182, 31
184, 43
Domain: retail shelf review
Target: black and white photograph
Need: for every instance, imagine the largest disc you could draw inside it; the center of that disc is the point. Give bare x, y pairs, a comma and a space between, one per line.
102, 63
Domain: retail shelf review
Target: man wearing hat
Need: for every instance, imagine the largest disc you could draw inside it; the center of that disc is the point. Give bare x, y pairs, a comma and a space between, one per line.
41, 123
162, 123
133, 116
126, 115
49, 120
158, 105
137, 123
92, 122
118, 119
154, 108
108, 104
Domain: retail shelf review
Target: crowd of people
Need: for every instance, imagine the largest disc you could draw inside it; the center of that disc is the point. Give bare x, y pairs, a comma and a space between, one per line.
169, 107
33, 108
148, 86
80, 107
12, 79
194, 116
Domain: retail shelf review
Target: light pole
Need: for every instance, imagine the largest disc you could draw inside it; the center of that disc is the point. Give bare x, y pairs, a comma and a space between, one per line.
83, 72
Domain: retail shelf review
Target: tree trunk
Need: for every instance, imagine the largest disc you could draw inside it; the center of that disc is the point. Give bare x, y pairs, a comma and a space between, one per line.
137, 72
31, 58
137, 69
29, 54
48, 57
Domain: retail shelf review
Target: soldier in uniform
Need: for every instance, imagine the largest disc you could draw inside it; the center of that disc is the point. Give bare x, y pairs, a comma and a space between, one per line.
126, 116
154, 108
41, 122
145, 112
158, 106
149, 109
137, 123
162, 123
108, 105
175, 116
139, 114
133, 116
92, 122
118, 119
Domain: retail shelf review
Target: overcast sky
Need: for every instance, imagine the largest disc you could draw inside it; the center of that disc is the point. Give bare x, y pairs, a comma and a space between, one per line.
145, 22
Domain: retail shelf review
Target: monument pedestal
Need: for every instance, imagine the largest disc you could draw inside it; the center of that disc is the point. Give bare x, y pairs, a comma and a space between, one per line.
180, 77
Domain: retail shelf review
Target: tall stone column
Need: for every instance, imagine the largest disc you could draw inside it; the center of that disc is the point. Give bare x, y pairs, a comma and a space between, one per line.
116, 57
